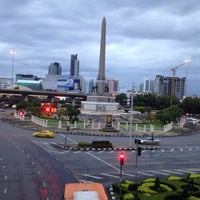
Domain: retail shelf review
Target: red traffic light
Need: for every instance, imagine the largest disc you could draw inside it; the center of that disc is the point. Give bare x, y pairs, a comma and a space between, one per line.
47, 109
21, 113
121, 158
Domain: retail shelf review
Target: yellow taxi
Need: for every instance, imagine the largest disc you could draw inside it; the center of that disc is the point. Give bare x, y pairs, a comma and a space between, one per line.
44, 134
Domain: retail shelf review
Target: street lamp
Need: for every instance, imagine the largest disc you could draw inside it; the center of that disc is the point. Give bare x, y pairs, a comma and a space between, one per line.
186, 61
131, 116
12, 52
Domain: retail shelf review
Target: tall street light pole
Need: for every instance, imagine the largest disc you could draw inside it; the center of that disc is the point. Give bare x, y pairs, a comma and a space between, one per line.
12, 52
131, 116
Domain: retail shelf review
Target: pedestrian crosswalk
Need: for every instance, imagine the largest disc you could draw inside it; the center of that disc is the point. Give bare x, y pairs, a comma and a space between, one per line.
52, 148
140, 174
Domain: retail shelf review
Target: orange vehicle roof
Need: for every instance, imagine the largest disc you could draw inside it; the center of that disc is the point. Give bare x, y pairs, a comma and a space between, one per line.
78, 187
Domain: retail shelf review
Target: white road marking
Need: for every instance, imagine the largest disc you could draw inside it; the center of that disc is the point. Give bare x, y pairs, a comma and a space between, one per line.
5, 190
44, 185
68, 138
91, 176
172, 172
159, 172
97, 158
109, 175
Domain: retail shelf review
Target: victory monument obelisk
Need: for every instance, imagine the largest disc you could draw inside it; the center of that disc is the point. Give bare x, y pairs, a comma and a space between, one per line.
100, 100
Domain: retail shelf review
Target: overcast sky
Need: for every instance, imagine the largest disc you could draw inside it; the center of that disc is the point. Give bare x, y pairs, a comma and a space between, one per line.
144, 38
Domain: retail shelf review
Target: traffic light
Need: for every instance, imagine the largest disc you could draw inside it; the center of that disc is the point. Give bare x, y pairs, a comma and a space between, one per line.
21, 113
137, 141
121, 158
48, 109
139, 151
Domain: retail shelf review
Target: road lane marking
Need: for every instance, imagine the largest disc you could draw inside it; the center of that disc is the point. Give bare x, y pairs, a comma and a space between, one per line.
158, 172
6, 178
97, 158
44, 185
68, 138
109, 175
76, 152
84, 181
5, 190
172, 150
186, 171
91, 176
172, 172
143, 173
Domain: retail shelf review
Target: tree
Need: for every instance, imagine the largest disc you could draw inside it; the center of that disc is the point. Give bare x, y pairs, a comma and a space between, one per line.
72, 112
121, 99
191, 105
171, 114
30, 107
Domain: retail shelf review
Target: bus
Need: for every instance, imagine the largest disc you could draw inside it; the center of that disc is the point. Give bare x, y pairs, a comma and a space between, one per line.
84, 191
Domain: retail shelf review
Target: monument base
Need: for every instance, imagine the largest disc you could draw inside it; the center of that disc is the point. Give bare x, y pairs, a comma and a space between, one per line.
104, 107
97, 98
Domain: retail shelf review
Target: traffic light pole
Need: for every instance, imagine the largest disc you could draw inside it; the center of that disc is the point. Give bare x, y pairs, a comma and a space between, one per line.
136, 160
138, 153
121, 162
120, 188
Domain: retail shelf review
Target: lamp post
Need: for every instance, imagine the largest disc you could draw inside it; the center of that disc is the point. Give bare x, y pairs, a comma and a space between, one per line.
131, 116
187, 61
12, 52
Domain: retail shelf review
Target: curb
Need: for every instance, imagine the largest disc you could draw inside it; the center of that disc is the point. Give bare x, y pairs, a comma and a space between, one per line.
68, 147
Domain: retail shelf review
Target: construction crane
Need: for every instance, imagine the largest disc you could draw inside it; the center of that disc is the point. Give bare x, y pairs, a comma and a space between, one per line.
174, 74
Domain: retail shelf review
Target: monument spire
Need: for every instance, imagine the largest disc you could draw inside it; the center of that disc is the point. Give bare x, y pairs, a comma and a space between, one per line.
101, 74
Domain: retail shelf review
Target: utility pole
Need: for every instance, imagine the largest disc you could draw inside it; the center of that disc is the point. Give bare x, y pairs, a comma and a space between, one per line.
131, 116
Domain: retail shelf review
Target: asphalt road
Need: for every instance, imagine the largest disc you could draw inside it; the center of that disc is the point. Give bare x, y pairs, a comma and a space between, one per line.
26, 170
34, 168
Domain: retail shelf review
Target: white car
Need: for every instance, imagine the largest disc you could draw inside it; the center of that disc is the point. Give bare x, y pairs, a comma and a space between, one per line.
150, 141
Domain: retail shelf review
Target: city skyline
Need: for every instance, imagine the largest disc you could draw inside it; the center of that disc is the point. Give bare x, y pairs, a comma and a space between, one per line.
142, 38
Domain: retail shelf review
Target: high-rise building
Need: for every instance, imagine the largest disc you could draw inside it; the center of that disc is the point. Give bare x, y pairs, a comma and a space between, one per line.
163, 85
113, 85
147, 86
74, 65
91, 85
55, 69
54, 72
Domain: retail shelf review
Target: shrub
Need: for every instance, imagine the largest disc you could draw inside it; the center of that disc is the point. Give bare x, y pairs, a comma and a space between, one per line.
149, 180
84, 144
174, 178
128, 196
193, 176
192, 198
146, 188
131, 185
